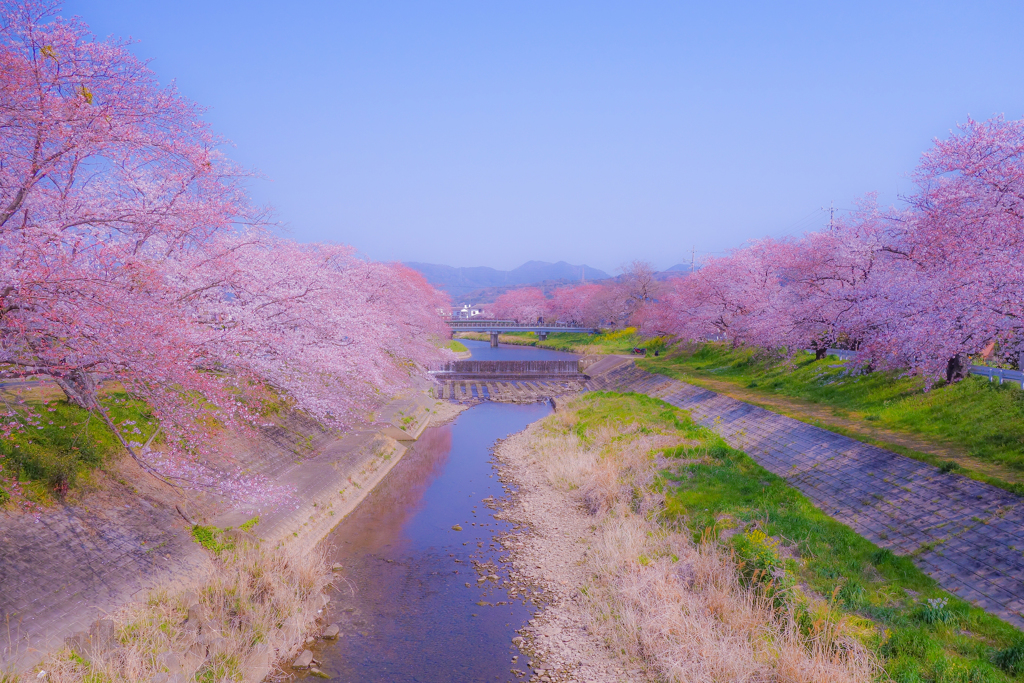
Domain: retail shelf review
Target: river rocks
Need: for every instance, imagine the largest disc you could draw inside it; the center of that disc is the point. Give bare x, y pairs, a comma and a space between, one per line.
99, 640
217, 645
548, 544
314, 671
169, 661
240, 537
332, 631
304, 660
196, 617
102, 634
167, 678
336, 567
289, 625
457, 527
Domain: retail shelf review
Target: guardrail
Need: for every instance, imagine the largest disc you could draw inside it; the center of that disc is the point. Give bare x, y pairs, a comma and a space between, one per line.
1015, 376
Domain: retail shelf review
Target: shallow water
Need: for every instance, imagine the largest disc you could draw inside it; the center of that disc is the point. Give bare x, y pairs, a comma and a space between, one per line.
482, 350
403, 604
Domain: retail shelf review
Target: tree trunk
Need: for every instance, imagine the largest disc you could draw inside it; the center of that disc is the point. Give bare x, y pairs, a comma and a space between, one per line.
820, 353
957, 368
79, 387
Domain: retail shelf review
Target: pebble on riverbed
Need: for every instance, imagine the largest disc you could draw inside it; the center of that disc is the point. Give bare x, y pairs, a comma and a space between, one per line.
332, 631
456, 527
304, 660
547, 548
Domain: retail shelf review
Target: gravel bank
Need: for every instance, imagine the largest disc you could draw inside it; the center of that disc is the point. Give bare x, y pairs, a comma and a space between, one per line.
548, 552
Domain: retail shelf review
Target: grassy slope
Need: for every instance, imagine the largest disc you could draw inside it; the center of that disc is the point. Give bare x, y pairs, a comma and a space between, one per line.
456, 346
619, 341
65, 444
985, 420
715, 488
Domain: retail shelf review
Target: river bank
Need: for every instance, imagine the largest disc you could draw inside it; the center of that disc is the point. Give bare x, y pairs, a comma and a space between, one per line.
630, 595
95, 572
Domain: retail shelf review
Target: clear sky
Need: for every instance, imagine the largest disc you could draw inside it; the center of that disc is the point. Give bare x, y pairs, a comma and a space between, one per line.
492, 133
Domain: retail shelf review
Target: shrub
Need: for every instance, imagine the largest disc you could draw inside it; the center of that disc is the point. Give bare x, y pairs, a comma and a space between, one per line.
1011, 659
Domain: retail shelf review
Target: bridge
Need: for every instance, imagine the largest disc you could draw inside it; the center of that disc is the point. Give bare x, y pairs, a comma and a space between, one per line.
496, 327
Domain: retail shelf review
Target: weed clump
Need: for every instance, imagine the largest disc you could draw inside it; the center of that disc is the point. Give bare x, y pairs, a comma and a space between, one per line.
251, 609
685, 606
709, 567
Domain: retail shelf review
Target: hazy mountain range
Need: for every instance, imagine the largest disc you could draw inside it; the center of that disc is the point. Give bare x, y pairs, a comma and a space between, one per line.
483, 282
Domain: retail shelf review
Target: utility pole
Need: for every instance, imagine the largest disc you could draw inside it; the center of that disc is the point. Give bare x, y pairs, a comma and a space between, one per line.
693, 254
831, 213
583, 274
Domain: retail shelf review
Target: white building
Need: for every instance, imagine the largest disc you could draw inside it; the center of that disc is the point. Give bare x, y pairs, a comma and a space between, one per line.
469, 311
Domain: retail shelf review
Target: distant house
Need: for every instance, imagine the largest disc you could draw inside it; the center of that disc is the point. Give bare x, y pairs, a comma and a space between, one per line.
469, 311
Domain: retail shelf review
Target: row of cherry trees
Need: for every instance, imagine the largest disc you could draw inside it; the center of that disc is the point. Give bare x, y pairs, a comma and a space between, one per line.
606, 304
129, 250
918, 288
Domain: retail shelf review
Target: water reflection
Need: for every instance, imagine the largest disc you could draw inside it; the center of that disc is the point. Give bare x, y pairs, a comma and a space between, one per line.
410, 605
483, 351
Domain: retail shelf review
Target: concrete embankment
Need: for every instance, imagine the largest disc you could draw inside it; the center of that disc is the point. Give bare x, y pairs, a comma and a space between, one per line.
65, 568
963, 533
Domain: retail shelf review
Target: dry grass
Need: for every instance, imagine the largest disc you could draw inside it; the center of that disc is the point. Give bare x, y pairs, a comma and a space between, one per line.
254, 609
679, 609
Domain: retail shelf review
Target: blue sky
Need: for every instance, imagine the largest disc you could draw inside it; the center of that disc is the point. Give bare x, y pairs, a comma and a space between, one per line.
492, 133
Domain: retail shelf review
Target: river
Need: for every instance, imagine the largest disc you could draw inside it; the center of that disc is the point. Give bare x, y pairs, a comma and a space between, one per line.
408, 601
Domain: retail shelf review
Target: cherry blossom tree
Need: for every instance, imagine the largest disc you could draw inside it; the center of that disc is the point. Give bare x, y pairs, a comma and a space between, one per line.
336, 334
576, 305
130, 251
957, 274
920, 288
524, 305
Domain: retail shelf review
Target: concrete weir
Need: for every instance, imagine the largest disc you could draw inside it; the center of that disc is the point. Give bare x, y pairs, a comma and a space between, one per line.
507, 381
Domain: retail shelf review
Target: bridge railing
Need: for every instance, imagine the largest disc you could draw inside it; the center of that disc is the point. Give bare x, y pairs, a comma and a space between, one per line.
507, 367
507, 324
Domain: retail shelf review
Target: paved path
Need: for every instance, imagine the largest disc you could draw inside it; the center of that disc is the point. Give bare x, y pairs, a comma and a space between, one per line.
966, 535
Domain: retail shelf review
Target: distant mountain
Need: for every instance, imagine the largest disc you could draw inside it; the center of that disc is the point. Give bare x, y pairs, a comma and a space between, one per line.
461, 282
679, 266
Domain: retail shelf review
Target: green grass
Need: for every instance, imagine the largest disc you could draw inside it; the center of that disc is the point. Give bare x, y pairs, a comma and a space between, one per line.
66, 443
986, 420
208, 537
782, 538
456, 346
615, 341
942, 640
